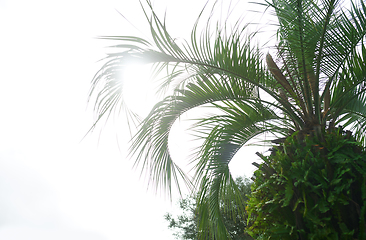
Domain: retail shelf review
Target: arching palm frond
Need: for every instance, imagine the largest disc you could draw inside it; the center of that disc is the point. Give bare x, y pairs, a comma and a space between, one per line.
151, 141
224, 135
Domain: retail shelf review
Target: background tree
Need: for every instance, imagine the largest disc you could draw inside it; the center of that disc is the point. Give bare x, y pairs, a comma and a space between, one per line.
186, 224
315, 83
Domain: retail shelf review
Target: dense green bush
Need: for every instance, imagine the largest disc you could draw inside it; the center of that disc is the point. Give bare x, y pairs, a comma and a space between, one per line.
311, 188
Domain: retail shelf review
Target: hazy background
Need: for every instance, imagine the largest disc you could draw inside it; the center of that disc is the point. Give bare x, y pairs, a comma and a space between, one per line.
53, 184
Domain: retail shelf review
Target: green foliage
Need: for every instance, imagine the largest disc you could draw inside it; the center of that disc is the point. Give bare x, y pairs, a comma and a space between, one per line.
317, 189
314, 186
186, 225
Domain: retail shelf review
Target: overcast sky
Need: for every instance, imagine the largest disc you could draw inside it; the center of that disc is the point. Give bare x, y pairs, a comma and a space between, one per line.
53, 184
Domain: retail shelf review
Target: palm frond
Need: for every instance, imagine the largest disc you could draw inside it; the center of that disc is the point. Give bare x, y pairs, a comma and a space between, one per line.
224, 135
316, 38
349, 95
151, 141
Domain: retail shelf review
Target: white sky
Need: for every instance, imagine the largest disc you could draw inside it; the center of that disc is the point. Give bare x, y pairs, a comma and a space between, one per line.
52, 184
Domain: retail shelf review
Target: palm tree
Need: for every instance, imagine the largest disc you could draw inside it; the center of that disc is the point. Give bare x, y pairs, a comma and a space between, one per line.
316, 83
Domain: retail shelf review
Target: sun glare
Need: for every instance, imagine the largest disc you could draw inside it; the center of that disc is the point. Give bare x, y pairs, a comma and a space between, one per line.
138, 90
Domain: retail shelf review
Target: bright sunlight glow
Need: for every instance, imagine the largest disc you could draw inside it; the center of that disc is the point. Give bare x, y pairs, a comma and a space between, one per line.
138, 90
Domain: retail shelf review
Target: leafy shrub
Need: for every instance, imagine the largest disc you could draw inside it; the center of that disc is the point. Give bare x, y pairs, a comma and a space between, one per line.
311, 188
